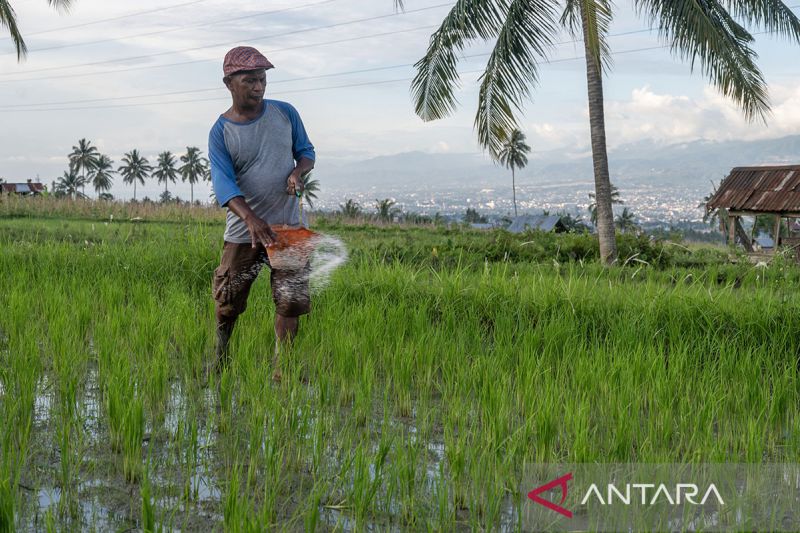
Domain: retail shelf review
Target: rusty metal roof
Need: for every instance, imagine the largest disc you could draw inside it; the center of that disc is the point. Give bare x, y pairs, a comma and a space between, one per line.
769, 189
22, 188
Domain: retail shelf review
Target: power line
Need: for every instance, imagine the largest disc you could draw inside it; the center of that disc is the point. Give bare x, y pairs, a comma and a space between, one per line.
336, 41
101, 21
209, 89
219, 88
296, 91
215, 99
306, 78
191, 49
311, 45
17, 107
270, 36
181, 28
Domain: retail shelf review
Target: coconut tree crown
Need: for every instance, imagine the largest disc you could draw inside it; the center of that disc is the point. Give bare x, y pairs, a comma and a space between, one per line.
165, 169
101, 176
8, 19
135, 169
514, 154
194, 168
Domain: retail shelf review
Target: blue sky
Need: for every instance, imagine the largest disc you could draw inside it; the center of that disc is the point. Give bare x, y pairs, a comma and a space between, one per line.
649, 95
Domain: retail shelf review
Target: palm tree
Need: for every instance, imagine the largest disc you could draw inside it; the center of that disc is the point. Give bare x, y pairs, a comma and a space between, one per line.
524, 32
626, 221
386, 209
310, 188
136, 168
83, 157
8, 19
350, 208
69, 184
165, 169
194, 167
101, 175
615, 199
514, 154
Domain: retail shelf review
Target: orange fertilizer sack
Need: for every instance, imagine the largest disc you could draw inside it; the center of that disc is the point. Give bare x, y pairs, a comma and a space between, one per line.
293, 248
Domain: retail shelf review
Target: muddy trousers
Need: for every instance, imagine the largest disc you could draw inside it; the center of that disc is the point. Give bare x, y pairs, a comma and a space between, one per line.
238, 269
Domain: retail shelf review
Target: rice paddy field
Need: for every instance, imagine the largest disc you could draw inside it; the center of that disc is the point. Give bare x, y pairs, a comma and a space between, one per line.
436, 364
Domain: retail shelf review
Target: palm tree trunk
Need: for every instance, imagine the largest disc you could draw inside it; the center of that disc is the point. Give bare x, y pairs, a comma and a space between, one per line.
602, 182
191, 188
514, 189
134, 190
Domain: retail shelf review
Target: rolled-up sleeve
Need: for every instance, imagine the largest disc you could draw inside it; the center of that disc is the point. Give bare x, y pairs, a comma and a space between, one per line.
301, 144
223, 175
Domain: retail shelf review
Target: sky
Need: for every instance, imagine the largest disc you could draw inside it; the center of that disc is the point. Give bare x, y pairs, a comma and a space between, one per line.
147, 75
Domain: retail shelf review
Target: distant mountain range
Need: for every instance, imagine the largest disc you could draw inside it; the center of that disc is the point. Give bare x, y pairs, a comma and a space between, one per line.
646, 162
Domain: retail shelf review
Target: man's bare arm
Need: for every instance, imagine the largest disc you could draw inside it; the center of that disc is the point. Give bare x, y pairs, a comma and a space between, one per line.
260, 232
294, 182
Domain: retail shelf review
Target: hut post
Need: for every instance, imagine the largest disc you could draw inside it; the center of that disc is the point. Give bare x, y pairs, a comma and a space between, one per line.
731, 229
776, 234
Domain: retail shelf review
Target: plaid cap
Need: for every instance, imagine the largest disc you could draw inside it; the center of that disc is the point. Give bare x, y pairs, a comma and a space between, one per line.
244, 58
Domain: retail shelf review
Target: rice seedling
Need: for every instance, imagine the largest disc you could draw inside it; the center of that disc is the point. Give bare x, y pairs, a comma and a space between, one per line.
418, 391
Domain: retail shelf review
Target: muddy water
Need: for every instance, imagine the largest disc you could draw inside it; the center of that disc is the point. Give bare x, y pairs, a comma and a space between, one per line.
101, 500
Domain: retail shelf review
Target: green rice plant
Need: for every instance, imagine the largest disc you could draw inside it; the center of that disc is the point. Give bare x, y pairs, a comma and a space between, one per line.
368, 478
489, 356
405, 468
50, 522
18, 396
67, 503
191, 458
225, 393
364, 394
7, 503
311, 517
132, 434
148, 509
487, 492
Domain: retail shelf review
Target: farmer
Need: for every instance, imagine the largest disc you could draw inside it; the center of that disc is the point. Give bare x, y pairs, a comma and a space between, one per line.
259, 153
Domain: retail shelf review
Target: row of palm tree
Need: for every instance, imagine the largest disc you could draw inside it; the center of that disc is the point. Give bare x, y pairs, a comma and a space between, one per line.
88, 166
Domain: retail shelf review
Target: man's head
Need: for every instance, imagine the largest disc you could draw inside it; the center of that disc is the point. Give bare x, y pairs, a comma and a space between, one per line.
245, 69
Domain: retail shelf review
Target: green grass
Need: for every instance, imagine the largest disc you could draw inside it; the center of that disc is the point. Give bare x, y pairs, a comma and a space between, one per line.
433, 368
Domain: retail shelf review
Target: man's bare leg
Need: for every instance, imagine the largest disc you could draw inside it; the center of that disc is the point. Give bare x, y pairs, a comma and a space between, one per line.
285, 330
224, 332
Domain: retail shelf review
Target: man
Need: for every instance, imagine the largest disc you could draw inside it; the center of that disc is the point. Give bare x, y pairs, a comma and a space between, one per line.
259, 153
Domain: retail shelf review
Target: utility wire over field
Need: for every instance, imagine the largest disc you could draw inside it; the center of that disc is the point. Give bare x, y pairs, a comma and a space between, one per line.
30, 107
179, 28
111, 19
290, 33
48, 105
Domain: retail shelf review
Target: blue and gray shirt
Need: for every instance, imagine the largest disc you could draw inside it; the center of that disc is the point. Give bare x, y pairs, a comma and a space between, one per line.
253, 159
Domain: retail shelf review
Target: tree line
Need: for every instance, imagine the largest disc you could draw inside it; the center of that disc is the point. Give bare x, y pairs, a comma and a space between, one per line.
87, 166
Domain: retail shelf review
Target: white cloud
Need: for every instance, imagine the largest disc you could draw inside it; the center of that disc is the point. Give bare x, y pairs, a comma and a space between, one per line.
440, 147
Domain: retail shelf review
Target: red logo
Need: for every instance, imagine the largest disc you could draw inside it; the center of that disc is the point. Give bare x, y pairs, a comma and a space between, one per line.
560, 482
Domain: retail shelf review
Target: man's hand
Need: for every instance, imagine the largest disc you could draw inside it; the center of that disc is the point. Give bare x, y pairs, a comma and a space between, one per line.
260, 232
294, 183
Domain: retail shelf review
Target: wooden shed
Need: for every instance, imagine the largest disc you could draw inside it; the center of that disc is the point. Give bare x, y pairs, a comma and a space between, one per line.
762, 190
24, 189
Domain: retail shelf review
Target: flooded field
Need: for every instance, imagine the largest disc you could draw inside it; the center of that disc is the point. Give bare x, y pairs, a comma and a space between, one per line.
414, 397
